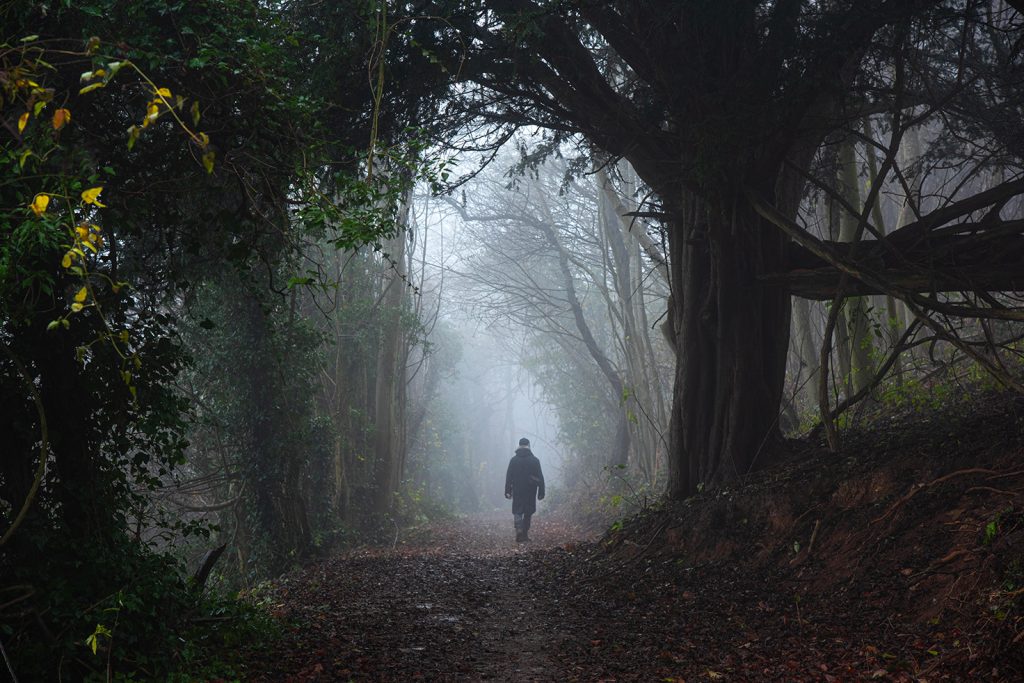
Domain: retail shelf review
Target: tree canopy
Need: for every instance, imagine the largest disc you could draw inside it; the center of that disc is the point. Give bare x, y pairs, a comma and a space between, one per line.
730, 112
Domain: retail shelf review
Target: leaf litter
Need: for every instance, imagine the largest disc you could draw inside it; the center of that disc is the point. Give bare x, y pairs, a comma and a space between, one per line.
888, 561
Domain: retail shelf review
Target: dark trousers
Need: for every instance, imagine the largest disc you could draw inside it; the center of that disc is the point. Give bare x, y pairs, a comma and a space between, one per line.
522, 521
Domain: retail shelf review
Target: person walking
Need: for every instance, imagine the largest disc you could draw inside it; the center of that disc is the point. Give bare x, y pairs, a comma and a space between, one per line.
524, 484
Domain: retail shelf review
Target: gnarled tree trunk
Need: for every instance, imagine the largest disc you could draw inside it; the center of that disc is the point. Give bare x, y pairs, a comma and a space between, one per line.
732, 335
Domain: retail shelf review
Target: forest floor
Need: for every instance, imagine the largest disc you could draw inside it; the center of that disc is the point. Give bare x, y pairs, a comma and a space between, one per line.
899, 559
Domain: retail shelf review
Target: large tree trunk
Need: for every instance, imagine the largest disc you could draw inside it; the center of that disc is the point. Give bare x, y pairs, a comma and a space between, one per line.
732, 336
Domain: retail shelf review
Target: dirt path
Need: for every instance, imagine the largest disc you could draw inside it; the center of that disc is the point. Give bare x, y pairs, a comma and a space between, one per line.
455, 601
461, 601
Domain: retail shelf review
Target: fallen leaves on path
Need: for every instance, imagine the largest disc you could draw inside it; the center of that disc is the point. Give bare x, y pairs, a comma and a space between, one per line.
461, 601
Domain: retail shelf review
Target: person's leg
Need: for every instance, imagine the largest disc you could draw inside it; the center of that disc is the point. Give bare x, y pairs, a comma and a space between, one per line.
526, 526
518, 519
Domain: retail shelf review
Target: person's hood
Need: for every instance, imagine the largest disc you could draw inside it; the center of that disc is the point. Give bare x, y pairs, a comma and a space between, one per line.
523, 451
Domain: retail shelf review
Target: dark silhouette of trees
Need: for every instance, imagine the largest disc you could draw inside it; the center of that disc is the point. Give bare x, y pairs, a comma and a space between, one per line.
722, 109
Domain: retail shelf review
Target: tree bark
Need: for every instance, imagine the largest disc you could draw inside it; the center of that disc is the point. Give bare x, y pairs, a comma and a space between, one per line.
856, 309
733, 336
389, 411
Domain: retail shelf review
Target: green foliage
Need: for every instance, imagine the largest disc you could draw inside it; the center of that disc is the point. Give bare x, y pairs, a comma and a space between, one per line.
143, 170
414, 505
1005, 521
991, 529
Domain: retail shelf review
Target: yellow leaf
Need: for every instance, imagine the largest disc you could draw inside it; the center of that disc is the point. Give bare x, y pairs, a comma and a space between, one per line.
152, 111
91, 87
133, 135
38, 107
163, 92
208, 161
24, 156
81, 294
39, 204
92, 196
22, 122
61, 117
66, 261
204, 139
76, 307
195, 113
81, 232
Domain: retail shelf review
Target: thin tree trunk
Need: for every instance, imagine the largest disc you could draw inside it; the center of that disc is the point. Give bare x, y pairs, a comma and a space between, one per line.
893, 318
805, 346
620, 452
856, 310
390, 379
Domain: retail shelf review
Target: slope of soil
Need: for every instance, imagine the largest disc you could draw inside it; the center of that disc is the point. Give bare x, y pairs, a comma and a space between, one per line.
900, 558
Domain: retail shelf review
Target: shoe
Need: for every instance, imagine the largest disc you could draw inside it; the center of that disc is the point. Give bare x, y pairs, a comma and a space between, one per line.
520, 537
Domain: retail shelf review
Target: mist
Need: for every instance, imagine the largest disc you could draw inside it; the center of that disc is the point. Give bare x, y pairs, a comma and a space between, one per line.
543, 345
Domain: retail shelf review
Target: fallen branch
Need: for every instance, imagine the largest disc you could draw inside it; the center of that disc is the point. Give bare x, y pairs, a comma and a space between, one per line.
7, 661
914, 490
1006, 474
206, 566
949, 557
814, 536
952, 555
989, 489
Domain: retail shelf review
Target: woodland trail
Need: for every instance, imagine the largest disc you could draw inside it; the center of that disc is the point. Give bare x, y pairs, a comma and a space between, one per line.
459, 600
455, 601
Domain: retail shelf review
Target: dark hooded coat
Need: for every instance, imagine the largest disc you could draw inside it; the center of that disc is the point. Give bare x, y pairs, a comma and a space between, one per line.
524, 481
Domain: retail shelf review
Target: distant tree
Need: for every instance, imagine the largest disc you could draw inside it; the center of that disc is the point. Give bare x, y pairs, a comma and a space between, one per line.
550, 259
